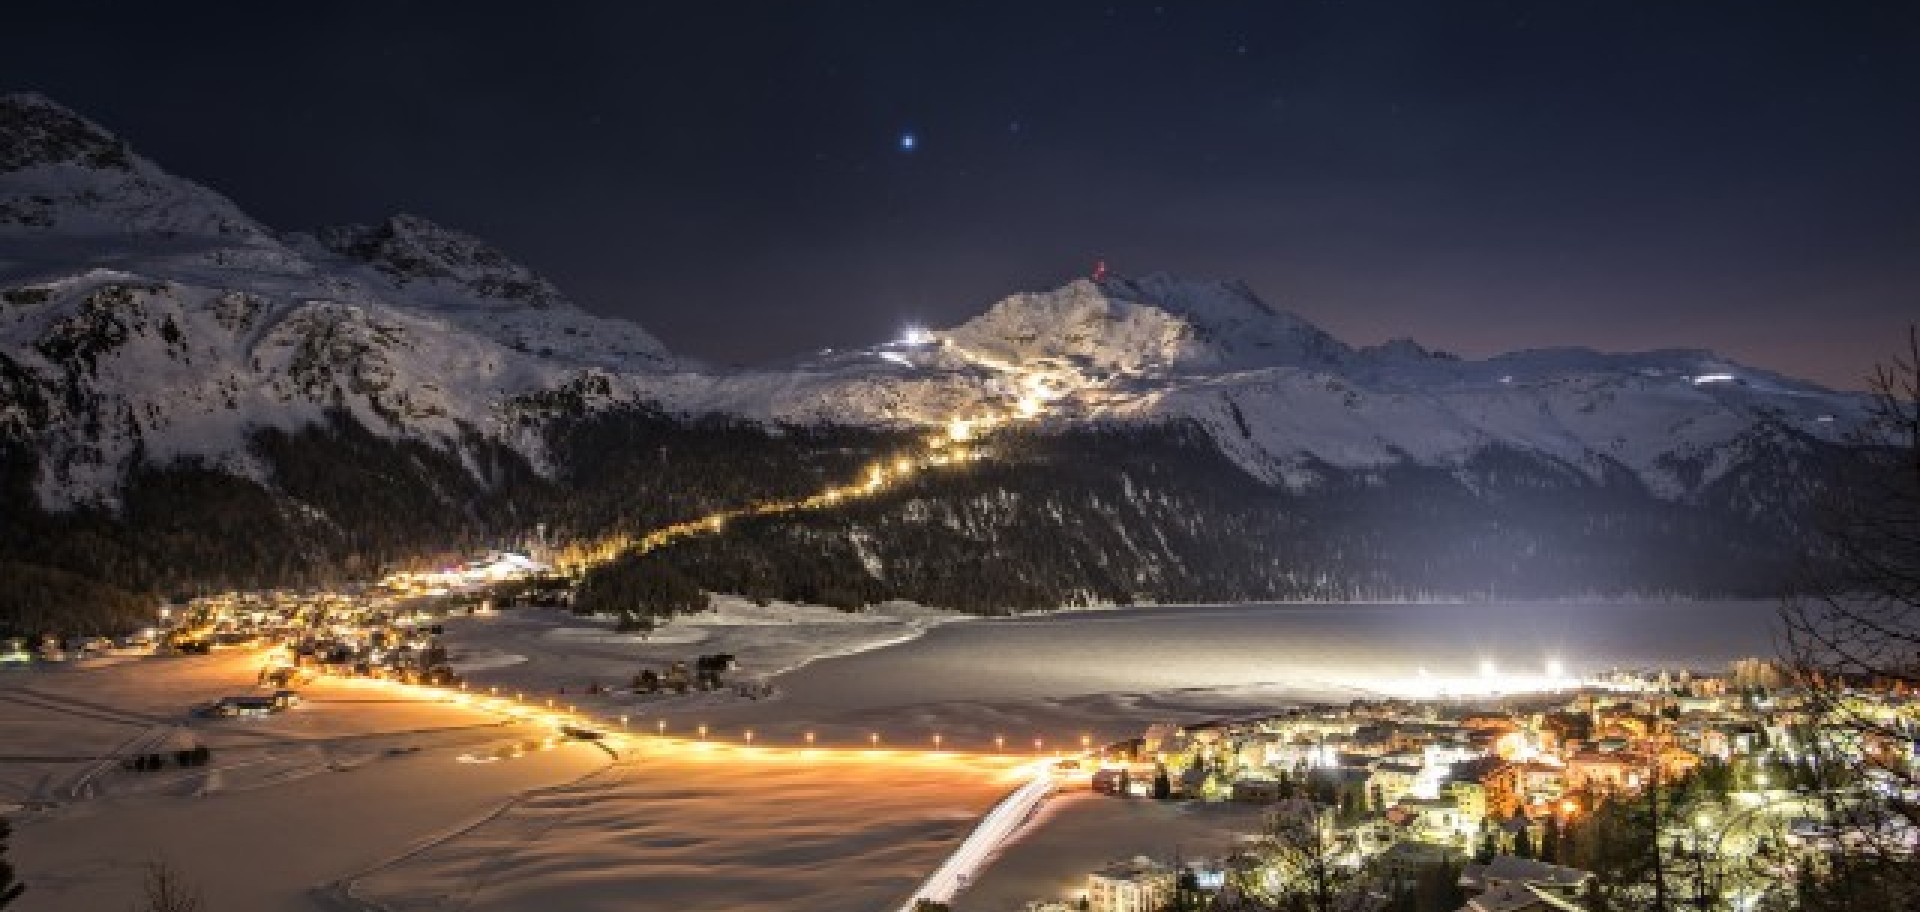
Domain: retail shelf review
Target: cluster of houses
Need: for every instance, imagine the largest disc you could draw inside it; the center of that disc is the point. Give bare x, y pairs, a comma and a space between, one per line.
1401, 782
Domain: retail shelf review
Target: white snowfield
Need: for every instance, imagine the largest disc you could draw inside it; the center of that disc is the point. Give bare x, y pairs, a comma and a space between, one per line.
144, 314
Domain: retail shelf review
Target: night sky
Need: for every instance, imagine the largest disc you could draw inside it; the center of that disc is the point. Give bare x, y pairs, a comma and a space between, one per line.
738, 177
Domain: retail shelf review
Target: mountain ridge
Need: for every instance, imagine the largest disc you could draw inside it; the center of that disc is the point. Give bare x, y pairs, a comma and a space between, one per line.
153, 333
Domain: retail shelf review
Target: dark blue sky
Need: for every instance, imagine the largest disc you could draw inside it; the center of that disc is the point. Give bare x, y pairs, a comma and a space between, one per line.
1478, 175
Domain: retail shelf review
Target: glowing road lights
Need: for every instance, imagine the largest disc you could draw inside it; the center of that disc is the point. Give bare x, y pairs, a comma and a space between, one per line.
959, 430
1086, 742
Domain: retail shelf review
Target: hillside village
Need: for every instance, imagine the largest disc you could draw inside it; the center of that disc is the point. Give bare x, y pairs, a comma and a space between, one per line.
1730, 790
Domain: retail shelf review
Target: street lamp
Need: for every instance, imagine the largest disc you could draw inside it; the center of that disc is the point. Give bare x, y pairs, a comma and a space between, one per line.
749, 737
623, 723
809, 739
660, 727
1000, 743
873, 739
703, 731
936, 742
1038, 744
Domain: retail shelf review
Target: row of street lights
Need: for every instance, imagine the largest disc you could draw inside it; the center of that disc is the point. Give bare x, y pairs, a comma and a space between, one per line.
811, 739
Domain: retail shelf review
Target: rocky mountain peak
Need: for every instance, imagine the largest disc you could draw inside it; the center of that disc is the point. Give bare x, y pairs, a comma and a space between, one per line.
35, 130
408, 248
1149, 325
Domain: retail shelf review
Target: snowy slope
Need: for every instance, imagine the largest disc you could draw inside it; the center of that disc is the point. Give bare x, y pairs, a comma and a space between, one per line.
1284, 398
145, 317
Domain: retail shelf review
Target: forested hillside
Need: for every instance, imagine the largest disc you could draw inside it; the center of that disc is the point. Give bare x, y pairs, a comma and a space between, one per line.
1116, 516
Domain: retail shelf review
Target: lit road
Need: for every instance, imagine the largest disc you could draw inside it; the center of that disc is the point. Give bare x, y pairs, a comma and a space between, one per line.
994, 829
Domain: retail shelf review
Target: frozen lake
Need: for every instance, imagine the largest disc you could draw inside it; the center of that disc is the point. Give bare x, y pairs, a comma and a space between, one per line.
1334, 647
1105, 671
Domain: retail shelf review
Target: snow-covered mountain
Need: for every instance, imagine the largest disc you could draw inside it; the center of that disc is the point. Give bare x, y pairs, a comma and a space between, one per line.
147, 321
147, 318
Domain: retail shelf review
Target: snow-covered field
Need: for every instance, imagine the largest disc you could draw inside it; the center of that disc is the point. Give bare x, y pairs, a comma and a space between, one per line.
377, 793
692, 827
357, 773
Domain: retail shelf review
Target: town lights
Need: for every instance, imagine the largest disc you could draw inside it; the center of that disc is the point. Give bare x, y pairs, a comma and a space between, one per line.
1086, 742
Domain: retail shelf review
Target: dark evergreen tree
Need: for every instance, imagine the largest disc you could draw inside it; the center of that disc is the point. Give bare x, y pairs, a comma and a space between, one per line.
10, 888
1523, 842
1550, 839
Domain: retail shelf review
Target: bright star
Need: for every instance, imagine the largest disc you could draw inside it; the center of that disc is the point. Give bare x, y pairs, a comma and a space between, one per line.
909, 142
